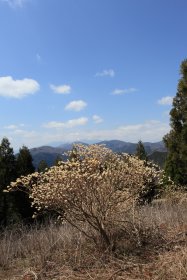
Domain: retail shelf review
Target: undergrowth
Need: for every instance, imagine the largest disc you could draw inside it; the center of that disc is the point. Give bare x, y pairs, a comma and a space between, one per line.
151, 245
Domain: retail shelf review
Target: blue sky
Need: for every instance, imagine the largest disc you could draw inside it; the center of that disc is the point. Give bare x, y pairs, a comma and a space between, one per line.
89, 69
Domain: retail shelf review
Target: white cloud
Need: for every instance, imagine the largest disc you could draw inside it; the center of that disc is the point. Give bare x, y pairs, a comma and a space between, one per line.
151, 131
17, 88
76, 105
11, 126
167, 100
97, 119
15, 3
104, 73
124, 91
14, 126
61, 89
68, 124
19, 137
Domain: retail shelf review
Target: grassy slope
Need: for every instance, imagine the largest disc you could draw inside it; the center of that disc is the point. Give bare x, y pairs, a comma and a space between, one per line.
158, 250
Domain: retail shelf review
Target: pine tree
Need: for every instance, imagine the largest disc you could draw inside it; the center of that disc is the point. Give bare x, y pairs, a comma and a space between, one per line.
8, 212
24, 167
24, 162
140, 151
176, 139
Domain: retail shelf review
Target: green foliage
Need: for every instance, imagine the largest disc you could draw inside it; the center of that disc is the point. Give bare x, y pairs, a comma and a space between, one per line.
140, 151
24, 167
176, 139
7, 163
8, 212
24, 162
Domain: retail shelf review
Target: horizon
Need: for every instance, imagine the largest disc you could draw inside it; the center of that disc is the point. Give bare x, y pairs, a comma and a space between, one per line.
75, 70
58, 144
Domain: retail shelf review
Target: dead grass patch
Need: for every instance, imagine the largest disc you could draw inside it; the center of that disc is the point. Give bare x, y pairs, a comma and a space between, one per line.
151, 246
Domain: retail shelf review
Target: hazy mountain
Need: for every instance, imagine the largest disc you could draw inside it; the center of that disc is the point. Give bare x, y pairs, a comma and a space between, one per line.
157, 146
127, 147
49, 153
120, 146
46, 149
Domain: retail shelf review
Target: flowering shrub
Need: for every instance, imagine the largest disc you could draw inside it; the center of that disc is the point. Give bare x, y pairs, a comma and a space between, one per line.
93, 190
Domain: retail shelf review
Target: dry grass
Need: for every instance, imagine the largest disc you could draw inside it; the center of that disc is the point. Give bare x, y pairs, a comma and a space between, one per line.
152, 246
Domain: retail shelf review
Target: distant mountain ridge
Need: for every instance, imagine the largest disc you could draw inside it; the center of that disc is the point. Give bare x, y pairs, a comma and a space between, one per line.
130, 148
49, 153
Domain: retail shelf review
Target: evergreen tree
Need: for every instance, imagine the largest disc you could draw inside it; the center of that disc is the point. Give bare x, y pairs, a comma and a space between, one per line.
24, 167
8, 212
24, 162
140, 151
42, 166
176, 139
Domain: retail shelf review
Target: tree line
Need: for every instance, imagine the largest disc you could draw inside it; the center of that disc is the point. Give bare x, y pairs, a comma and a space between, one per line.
15, 207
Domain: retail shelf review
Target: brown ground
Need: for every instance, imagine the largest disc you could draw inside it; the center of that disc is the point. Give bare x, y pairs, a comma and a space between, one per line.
158, 252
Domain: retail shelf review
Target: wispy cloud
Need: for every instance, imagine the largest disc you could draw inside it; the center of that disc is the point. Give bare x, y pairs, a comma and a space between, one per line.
123, 91
167, 100
151, 131
97, 119
76, 105
15, 3
68, 124
14, 126
17, 88
61, 89
11, 126
105, 73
